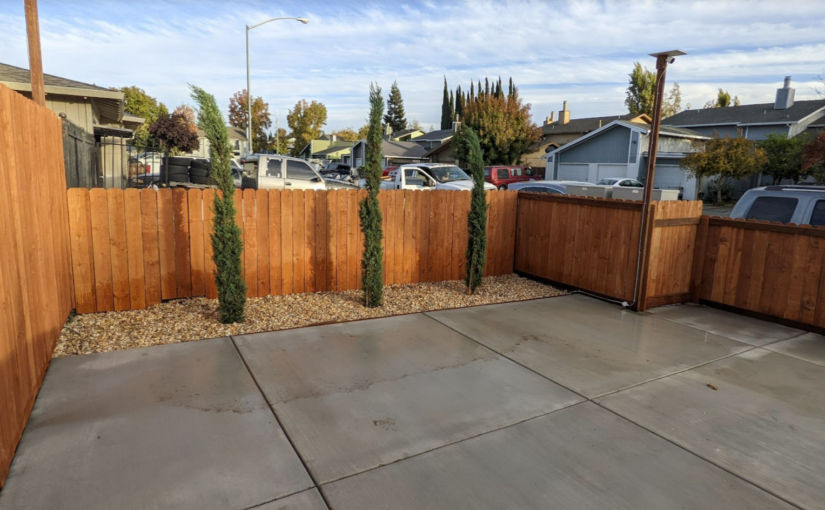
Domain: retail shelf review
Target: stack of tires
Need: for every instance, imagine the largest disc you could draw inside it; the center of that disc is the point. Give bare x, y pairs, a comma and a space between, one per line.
177, 169
199, 171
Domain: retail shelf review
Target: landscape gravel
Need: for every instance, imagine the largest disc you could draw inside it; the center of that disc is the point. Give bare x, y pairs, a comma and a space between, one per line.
184, 320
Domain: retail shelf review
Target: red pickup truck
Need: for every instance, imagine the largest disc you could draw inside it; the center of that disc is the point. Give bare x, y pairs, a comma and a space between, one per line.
501, 176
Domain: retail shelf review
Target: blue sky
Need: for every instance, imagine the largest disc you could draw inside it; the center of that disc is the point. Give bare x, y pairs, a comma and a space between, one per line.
577, 51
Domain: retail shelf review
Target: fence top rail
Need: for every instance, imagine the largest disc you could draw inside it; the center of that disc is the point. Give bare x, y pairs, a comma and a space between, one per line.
770, 226
592, 201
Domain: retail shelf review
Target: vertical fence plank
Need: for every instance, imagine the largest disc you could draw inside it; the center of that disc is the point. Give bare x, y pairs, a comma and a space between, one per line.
263, 229
81, 245
332, 239
166, 245
321, 241
210, 288
250, 243
287, 258
274, 200
299, 241
353, 249
117, 240
99, 205
134, 248
311, 262
196, 250
183, 268
151, 247
342, 236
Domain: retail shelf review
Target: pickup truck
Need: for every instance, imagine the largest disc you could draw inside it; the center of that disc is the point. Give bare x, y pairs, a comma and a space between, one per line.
276, 171
429, 176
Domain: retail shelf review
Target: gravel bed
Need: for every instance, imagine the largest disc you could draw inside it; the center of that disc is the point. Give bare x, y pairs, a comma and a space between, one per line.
183, 320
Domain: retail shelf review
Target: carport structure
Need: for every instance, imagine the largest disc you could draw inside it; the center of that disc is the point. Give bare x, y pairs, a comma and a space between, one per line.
565, 402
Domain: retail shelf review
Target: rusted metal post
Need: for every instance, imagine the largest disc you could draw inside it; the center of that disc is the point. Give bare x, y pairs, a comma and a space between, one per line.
662, 60
35, 62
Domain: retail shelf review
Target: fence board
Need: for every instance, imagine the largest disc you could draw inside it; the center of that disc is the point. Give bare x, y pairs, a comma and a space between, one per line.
151, 246
183, 268
287, 259
310, 260
274, 231
210, 288
99, 207
134, 249
262, 242
166, 245
196, 249
249, 255
117, 245
81, 249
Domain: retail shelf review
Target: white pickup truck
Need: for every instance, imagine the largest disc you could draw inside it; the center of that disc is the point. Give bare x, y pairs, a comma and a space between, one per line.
429, 176
275, 171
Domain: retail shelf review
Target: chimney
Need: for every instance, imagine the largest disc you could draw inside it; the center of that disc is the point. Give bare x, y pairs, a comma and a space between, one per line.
456, 124
564, 114
784, 96
551, 119
333, 137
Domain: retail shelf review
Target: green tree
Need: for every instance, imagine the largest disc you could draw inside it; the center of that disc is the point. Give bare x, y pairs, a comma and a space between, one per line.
446, 112
370, 210
468, 149
137, 102
723, 100
363, 132
726, 158
503, 125
395, 117
784, 156
261, 122
346, 134
813, 160
306, 121
641, 94
226, 238
175, 132
279, 143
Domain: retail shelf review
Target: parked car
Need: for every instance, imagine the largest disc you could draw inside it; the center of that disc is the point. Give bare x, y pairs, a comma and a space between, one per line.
554, 187
620, 182
803, 205
501, 176
146, 166
429, 176
275, 171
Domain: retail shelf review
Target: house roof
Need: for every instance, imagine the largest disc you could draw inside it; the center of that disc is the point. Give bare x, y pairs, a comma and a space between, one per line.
763, 113
394, 149
584, 125
109, 102
438, 148
334, 147
438, 135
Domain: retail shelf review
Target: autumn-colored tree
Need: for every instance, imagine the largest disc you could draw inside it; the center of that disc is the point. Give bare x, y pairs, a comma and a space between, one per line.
813, 159
346, 134
175, 133
726, 158
784, 156
306, 121
503, 125
363, 132
641, 94
261, 122
137, 102
723, 100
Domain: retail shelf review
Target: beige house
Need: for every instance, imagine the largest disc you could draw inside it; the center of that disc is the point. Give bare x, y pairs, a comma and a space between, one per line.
237, 140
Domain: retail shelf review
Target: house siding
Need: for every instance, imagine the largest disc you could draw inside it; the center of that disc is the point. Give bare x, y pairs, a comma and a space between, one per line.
77, 111
610, 146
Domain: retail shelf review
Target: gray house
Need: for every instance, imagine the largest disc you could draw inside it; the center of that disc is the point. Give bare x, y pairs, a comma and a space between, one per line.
393, 153
619, 149
756, 121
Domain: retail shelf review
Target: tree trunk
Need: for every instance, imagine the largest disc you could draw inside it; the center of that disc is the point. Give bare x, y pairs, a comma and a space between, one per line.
719, 191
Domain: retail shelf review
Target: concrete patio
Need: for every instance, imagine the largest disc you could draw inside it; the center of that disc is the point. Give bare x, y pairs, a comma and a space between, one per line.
565, 402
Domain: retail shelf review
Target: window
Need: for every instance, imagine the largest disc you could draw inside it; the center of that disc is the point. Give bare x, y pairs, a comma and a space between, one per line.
486, 173
634, 146
273, 168
772, 209
502, 173
818, 214
517, 171
299, 171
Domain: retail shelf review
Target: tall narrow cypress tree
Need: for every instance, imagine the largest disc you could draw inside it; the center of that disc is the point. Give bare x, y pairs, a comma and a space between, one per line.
452, 110
459, 103
472, 92
370, 211
469, 149
226, 238
446, 113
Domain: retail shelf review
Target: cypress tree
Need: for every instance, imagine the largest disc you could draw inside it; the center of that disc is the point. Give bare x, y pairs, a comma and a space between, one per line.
395, 110
486, 87
446, 113
468, 149
226, 238
511, 88
472, 92
459, 103
370, 211
452, 110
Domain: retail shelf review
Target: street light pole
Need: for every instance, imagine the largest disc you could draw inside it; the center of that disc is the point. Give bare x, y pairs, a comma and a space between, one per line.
662, 60
248, 94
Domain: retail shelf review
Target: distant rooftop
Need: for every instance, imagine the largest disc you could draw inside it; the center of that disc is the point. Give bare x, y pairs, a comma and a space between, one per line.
762, 113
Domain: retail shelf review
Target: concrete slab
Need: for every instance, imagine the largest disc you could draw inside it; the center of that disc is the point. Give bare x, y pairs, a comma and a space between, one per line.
719, 322
307, 500
359, 395
582, 457
810, 347
588, 345
763, 418
174, 426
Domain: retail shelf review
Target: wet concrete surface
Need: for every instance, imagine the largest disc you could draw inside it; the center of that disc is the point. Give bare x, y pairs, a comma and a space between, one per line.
566, 402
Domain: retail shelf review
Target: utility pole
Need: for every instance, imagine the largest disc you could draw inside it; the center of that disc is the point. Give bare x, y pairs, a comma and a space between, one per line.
35, 62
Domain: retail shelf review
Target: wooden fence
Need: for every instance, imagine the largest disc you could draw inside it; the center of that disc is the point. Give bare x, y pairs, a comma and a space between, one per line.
767, 268
133, 248
592, 244
35, 268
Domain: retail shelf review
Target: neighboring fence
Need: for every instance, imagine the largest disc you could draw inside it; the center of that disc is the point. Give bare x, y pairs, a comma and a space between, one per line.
35, 263
133, 248
79, 157
767, 268
592, 244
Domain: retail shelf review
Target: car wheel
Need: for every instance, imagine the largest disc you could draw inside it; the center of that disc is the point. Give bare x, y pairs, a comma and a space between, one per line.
503, 187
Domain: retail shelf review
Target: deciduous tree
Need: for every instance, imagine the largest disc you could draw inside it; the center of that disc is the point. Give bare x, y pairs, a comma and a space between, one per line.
395, 116
723, 100
261, 122
137, 102
306, 120
641, 94
370, 211
346, 134
175, 132
226, 238
784, 156
726, 158
813, 159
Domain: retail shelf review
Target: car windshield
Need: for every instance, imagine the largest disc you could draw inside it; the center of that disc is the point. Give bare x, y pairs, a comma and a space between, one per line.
607, 182
448, 174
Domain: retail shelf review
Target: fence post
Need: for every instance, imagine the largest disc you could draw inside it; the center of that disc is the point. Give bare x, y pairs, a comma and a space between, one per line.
700, 247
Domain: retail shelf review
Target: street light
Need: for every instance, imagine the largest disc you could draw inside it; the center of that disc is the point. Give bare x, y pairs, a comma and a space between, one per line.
248, 95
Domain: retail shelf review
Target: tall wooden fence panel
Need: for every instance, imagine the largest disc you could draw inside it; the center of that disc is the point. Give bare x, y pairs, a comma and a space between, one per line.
35, 266
133, 248
767, 268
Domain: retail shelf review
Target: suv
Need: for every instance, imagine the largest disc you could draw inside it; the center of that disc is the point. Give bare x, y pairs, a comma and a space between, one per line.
274, 171
803, 205
501, 176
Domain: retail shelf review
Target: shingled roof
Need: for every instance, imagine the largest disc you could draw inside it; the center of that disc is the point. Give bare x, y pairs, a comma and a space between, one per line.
763, 113
584, 125
14, 74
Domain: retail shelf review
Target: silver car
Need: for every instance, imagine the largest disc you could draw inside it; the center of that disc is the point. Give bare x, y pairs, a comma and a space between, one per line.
803, 205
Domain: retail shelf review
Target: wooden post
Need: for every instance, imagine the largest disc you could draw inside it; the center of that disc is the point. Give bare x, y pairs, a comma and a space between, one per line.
35, 62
